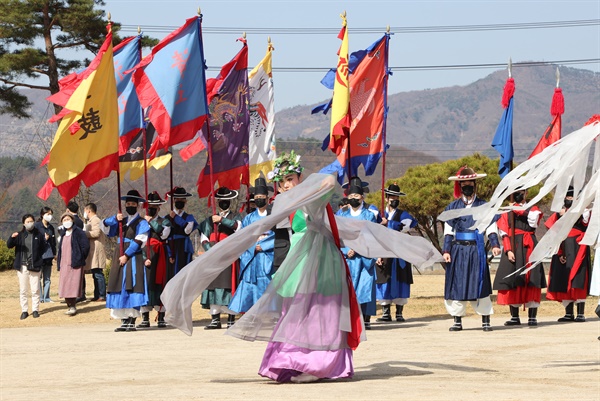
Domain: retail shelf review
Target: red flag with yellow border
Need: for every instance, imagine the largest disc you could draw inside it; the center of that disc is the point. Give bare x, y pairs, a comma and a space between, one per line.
86, 145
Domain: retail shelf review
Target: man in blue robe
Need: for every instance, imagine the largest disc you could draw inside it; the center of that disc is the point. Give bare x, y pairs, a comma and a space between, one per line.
256, 263
127, 290
394, 276
467, 270
362, 269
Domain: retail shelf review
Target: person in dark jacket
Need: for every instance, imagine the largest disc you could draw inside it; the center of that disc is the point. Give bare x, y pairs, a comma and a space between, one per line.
44, 226
72, 253
29, 244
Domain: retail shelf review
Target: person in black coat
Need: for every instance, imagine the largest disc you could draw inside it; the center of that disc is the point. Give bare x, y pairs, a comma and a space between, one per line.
44, 226
29, 244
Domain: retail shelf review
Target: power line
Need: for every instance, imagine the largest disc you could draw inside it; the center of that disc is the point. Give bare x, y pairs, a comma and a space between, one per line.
221, 30
444, 67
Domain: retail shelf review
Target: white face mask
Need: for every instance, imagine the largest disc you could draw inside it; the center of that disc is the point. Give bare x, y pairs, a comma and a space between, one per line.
68, 224
85, 215
48, 217
28, 226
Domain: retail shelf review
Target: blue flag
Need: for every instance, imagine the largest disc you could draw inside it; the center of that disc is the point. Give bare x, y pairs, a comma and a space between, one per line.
503, 141
126, 56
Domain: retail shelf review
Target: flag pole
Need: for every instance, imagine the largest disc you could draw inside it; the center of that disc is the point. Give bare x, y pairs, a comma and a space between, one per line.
384, 126
512, 198
171, 178
121, 247
208, 134
144, 132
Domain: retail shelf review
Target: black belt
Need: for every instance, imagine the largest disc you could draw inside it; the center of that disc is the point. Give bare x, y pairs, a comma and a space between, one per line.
466, 243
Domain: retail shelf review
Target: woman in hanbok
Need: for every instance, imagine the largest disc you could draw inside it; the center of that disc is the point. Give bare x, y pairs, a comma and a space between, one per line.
308, 313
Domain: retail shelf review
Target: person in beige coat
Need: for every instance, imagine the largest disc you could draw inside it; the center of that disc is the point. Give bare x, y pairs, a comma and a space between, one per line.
96, 260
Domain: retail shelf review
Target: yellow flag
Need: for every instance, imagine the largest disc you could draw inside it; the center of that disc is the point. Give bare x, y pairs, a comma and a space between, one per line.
340, 110
86, 144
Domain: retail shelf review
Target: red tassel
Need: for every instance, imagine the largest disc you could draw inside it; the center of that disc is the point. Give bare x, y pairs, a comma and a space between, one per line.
594, 119
558, 103
509, 91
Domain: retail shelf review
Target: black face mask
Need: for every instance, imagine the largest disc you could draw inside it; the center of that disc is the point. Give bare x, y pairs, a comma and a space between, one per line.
224, 204
468, 190
394, 204
354, 202
518, 197
152, 211
179, 205
260, 202
131, 210
568, 203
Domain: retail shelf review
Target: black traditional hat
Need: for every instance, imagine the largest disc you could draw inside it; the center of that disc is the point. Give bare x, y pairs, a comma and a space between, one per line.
570, 191
226, 193
178, 193
358, 182
393, 190
261, 187
133, 196
355, 189
155, 199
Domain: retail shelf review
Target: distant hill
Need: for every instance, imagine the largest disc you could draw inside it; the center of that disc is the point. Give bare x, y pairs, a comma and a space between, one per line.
453, 122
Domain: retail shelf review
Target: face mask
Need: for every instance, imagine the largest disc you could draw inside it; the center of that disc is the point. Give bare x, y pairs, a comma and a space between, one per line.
179, 205
85, 215
28, 226
354, 202
68, 224
518, 198
260, 202
394, 204
224, 204
131, 210
48, 217
568, 203
468, 190
152, 211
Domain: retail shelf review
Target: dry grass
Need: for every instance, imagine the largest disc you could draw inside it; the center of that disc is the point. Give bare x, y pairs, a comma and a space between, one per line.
426, 303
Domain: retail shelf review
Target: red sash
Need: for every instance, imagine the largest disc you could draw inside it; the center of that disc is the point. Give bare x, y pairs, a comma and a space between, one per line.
355, 321
216, 237
158, 248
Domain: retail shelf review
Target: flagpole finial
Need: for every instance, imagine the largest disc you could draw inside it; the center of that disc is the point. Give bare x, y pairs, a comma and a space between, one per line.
199, 12
344, 14
139, 30
557, 78
387, 29
108, 16
268, 39
510, 67
244, 35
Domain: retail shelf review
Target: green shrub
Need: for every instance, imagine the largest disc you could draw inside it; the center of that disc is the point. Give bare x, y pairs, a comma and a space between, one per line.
7, 256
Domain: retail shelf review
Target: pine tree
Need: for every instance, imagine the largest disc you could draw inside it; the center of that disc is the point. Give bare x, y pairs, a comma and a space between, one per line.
33, 36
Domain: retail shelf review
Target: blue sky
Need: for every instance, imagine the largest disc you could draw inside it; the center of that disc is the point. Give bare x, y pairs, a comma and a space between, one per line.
406, 49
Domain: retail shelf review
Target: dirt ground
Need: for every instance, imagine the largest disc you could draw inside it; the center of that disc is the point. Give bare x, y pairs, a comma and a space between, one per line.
68, 358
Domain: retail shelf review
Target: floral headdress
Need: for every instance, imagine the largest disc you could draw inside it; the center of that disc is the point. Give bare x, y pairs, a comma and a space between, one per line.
284, 165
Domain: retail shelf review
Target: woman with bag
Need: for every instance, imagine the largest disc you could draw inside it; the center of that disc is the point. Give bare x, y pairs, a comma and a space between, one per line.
44, 226
72, 253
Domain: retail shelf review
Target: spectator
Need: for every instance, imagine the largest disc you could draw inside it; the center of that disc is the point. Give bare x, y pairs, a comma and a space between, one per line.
72, 252
96, 260
29, 246
44, 226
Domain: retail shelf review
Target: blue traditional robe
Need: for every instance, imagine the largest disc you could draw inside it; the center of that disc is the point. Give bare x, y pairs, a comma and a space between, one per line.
127, 285
255, 269
397, 285
468, 273
362, 269
180, 243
